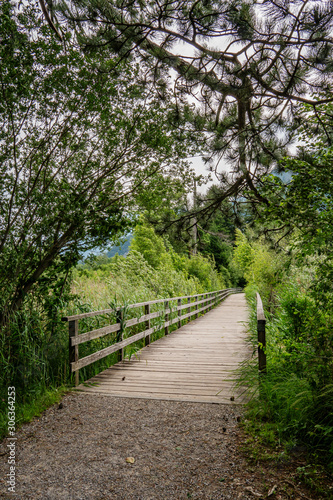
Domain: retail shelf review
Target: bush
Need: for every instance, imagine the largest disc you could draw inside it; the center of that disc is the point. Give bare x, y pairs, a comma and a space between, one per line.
296, 395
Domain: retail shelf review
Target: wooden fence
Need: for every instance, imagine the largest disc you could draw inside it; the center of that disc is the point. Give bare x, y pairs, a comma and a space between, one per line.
193, 305
261, 328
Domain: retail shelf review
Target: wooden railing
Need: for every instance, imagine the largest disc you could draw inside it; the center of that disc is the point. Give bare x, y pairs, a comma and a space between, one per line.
194, 304
261, 328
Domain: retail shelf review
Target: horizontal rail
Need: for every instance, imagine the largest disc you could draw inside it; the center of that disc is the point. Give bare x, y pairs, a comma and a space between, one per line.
139, 304
101, 332
91, 358
205, 300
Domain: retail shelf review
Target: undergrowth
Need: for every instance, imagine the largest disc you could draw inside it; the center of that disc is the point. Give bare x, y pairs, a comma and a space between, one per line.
291, 409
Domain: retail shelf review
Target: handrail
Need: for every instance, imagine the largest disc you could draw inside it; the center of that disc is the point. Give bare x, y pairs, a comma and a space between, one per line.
202, 302
138, 304
261, 329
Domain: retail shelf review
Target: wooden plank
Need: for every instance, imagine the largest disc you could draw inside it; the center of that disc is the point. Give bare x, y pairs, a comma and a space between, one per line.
143, 319
73, 329
165, 397
87, 360
132, 377
260, 309
184, 316
147, 323
101, 332
95, 334
181, 382
180, 367
197, 391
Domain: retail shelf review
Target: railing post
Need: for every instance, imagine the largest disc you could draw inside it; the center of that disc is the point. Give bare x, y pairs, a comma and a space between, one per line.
147, 324
189, 309
196, 306
73, 328
166, 317
179, 303
261, 328
119, 319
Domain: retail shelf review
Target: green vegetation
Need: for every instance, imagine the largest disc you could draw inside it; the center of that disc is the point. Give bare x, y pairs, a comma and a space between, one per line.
294, 405
34, 357
95, 136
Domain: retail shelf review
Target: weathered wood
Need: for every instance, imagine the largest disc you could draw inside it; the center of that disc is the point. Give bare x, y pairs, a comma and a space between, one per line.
189, 308
119, 317
260, 309
180, 367
147, 323
261, 327
139, 304
94, 334
73, 329
173, 397
91, 358
142, 319
205, 300
179, 318
166, 318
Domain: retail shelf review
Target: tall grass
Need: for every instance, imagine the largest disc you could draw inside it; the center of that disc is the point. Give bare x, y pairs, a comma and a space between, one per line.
295, 400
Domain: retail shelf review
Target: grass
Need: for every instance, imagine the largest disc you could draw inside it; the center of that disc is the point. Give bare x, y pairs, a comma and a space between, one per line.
34, 408
287, 417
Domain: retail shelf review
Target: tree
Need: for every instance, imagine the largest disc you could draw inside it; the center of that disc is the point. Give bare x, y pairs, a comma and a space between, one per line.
248, 64
74, 147
300, 194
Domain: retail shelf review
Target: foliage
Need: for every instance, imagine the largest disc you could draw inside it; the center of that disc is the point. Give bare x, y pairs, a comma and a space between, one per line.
244, 253
151, 270
247, 88
296, 397
80, 141
151, 247
305, 203
74, 146
260, 265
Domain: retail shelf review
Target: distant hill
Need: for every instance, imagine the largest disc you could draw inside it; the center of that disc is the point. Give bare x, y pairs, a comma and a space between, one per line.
119, 249
122, 249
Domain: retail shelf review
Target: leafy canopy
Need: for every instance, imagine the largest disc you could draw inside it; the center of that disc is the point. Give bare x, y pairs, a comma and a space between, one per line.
75, 146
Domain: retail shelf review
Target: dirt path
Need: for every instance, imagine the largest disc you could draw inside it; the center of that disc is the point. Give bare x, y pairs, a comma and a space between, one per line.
181, 450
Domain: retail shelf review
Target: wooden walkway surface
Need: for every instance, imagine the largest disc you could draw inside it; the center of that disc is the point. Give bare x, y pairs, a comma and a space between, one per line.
195, 363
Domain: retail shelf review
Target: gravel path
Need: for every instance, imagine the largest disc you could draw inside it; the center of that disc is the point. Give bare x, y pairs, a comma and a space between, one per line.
78, 450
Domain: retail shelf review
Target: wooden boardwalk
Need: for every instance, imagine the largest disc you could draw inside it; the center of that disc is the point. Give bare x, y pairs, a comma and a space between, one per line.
195, 363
